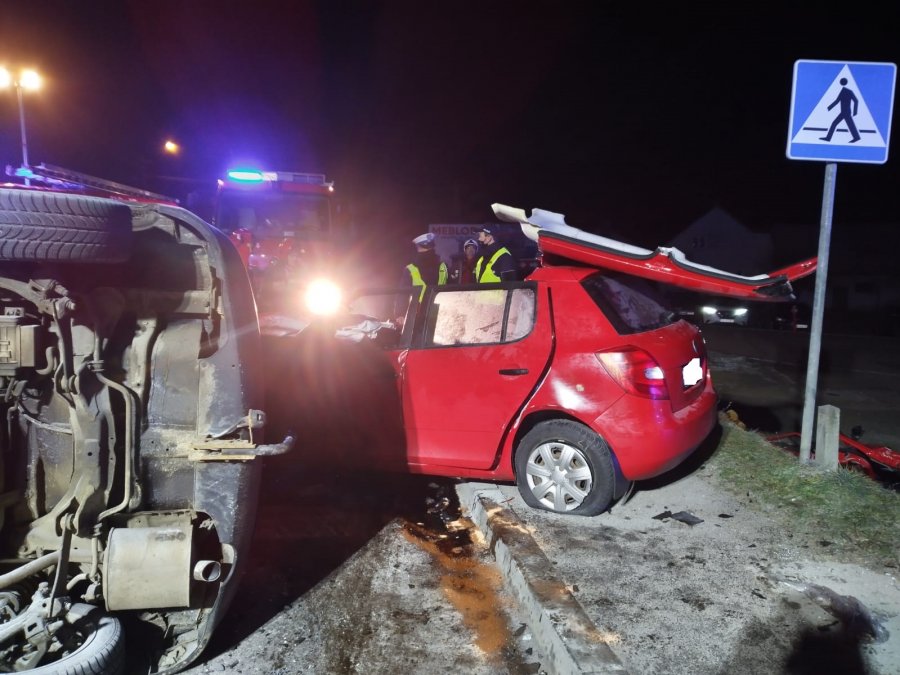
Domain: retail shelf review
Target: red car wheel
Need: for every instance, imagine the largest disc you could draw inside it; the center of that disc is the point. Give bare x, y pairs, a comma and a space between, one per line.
565, 467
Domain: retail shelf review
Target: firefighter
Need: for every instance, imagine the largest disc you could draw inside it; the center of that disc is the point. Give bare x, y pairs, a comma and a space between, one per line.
426, 267
243, 240
495, 263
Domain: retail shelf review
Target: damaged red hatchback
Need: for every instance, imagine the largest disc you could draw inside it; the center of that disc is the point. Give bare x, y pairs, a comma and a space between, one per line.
573, 383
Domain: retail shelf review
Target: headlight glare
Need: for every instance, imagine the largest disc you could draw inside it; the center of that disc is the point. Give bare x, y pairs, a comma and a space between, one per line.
322, 297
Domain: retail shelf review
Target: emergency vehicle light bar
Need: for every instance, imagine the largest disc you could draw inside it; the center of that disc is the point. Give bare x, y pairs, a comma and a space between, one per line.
257, 176
245, 176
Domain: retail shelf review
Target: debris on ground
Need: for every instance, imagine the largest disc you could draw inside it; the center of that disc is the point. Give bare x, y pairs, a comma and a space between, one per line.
685, 517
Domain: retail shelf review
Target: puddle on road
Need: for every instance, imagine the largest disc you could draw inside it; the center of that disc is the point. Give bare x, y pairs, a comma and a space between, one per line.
473, 587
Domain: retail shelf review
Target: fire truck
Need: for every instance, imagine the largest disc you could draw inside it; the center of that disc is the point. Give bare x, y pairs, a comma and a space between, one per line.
282, 223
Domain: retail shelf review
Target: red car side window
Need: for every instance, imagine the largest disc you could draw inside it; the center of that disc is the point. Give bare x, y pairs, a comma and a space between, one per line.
521, 314
473, 317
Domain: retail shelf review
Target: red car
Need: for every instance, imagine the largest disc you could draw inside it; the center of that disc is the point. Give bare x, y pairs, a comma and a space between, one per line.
572, 383
877, 462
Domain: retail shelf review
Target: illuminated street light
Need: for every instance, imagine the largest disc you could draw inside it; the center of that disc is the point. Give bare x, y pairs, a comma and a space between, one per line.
28, 80
171, 147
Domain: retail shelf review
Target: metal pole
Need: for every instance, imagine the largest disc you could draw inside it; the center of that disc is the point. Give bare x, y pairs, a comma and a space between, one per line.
815, 333
22, 128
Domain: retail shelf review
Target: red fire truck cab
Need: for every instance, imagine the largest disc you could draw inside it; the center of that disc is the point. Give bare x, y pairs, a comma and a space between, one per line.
282, 224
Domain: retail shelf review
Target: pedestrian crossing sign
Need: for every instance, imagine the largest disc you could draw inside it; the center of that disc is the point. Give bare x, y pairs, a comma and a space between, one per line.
841, 111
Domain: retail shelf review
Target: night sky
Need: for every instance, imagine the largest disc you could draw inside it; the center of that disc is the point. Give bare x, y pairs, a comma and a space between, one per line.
633, 122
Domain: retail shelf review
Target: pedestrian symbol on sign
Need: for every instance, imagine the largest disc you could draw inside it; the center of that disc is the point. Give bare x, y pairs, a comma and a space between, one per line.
846, 98
853, 122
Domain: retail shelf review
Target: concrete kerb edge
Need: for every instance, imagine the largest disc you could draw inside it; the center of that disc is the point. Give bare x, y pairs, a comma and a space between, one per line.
565, 634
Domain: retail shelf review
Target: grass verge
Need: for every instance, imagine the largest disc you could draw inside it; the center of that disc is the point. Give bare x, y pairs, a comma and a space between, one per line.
850, 516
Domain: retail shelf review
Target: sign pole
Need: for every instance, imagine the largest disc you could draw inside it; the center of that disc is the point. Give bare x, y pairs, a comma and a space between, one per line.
815, 333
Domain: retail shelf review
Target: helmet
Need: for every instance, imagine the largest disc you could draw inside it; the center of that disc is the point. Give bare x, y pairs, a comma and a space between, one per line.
470, 242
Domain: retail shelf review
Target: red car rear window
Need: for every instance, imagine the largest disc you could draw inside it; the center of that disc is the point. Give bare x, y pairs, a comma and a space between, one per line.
632, 305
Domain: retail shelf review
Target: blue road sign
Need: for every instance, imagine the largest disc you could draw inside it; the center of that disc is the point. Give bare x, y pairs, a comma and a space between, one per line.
841, 111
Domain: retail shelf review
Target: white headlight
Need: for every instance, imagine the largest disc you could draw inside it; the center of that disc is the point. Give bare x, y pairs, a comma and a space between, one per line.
323, 297
740, 311
708, 310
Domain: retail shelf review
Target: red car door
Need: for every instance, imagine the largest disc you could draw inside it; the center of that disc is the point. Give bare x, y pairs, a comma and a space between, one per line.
477, 356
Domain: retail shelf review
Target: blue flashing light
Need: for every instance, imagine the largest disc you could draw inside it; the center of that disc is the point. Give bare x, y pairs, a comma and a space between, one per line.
246, 176
24, 172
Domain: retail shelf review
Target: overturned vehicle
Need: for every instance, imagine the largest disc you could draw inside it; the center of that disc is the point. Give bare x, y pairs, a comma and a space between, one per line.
132, 427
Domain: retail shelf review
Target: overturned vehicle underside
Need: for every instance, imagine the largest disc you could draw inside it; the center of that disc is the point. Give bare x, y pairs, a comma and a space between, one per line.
131, 431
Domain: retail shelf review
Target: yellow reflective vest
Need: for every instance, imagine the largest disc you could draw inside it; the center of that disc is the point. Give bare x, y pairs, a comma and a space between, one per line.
417, 279
488, 276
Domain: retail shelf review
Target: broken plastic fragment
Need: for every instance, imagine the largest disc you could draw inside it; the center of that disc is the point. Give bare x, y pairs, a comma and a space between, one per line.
685, 517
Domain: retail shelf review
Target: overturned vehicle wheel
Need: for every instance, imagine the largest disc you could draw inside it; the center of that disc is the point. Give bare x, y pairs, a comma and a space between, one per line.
70, 639
58, 227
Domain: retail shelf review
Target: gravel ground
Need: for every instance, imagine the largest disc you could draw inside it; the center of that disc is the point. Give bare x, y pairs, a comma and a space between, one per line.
732, 593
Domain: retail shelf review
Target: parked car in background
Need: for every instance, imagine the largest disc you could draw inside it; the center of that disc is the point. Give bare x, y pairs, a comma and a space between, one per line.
131, 373
725, 311
703, 309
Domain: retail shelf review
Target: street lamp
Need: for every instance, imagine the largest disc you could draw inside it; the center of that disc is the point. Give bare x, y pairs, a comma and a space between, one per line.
28, 80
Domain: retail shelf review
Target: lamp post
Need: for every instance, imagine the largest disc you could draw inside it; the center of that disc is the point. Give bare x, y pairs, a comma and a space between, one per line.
28, 80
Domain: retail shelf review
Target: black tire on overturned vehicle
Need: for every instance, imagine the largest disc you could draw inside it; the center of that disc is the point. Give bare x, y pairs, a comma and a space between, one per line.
102, 646
53, 227
563, 466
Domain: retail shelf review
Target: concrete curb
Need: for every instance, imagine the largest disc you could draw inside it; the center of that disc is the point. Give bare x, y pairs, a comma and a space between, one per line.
565, 633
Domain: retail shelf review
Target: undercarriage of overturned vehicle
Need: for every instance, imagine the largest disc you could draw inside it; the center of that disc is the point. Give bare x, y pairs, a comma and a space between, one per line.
120, 504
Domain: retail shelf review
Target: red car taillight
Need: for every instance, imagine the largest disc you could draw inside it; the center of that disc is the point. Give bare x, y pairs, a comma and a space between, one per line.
636, 372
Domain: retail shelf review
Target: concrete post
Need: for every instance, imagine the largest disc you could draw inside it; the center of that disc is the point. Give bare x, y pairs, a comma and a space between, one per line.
827, 429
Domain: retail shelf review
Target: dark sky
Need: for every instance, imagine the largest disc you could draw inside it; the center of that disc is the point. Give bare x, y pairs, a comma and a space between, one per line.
632, 121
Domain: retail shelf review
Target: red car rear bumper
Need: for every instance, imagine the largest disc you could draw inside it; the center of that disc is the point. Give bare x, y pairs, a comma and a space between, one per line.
648, 439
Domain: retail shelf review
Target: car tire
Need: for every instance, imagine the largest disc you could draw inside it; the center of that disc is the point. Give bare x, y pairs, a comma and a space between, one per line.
54, 227
565, 467
102, 651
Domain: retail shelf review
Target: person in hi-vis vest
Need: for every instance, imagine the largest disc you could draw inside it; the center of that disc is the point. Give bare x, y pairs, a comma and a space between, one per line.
426, 266
495, 263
